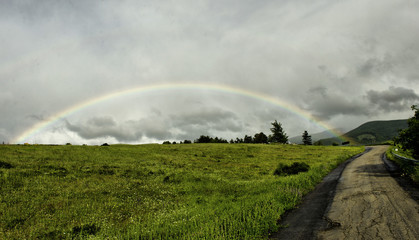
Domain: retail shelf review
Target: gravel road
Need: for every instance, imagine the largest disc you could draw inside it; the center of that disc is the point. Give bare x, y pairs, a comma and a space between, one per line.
359, 201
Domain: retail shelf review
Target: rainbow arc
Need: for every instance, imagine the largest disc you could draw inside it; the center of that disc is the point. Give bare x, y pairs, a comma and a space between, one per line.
41, 126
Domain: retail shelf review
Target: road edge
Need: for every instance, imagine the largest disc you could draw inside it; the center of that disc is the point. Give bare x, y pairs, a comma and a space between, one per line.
304, 221
404, 182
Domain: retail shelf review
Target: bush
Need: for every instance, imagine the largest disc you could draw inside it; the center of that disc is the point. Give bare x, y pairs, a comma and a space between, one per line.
5, 165
408, 168
409, 137
295, 168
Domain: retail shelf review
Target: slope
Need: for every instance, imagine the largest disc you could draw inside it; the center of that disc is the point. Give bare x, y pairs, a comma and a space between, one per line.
373, 132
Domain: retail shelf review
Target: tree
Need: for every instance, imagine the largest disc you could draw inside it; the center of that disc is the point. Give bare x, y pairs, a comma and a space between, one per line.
203, 139
307, 139
278, 134
248, 139
409, 137
260, 138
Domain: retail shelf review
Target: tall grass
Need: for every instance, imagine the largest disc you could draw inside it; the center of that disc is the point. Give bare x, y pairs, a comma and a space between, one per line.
191, 191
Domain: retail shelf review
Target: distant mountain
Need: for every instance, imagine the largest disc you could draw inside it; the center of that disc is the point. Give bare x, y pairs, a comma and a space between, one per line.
314, 137
371, 133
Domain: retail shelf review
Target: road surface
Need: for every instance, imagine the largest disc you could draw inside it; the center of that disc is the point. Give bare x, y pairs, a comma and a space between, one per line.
367, 203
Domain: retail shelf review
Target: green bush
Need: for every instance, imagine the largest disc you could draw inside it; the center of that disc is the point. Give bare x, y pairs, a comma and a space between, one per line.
408, 168
295, 168
5, 165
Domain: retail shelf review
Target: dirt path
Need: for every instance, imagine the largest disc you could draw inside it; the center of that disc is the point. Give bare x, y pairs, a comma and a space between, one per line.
357, 200
369, 204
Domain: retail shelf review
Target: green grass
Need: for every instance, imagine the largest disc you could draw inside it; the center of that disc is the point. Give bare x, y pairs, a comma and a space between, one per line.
191, 191
409, 168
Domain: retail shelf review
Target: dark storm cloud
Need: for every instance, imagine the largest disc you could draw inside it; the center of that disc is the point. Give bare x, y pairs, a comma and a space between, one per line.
394, 99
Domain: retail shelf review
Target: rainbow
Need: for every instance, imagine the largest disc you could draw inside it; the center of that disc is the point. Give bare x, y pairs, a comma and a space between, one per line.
39, 127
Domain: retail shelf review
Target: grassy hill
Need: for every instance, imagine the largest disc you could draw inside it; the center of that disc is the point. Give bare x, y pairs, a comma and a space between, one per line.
373, 132
182, 191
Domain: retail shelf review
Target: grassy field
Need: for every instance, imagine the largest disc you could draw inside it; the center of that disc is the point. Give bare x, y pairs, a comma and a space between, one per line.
188, 191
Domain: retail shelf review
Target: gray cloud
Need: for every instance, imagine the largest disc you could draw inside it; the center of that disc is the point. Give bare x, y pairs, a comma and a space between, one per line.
158, 127
89, 130
328, 57
216, 118
394, 99
207, 121
127, 131
375, 67
325, 104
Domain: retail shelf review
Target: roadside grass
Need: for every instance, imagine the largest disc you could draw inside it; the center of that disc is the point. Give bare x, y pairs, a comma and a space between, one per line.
188, 191
409, 168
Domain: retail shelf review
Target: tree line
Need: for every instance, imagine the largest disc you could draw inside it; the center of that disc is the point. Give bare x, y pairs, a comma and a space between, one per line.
277, 135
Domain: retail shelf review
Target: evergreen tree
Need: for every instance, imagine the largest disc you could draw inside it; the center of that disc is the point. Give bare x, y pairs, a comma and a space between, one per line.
307, 139
278, 134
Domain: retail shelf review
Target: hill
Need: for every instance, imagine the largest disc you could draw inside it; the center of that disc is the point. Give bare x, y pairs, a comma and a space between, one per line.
314, 137
373, 132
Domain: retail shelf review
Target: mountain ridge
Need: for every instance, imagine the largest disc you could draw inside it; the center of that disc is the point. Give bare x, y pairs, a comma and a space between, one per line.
372, 132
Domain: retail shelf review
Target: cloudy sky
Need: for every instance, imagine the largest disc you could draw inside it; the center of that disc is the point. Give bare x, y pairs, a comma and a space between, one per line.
341, 62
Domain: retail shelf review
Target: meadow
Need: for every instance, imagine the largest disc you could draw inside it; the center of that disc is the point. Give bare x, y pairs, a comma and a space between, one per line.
182, 191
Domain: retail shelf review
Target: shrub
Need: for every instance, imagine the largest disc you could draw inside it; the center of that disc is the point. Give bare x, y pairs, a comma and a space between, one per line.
409, 137
5, 165
84, 230
295, 168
